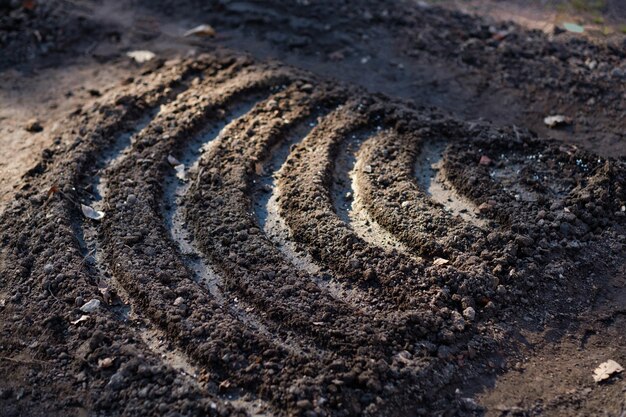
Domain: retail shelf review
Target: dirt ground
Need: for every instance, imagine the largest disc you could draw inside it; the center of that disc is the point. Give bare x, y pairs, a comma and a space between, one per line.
313, 208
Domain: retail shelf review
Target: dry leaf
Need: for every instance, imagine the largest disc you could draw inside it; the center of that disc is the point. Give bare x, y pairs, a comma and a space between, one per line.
202, 30
91, 213
54, 189
440, 261
141, 56
606, 370
29, 4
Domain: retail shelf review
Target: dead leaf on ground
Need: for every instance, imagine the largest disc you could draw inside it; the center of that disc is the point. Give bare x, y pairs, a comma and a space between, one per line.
141, 56
606, 370
91, 213
29, 4
54, 189
201, 30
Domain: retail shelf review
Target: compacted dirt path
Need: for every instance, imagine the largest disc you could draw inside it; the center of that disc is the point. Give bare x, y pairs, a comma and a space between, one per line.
324, 209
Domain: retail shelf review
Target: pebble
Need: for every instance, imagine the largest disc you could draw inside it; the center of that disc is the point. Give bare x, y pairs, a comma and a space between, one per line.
179, 301
90, 306
469, 313
33, 126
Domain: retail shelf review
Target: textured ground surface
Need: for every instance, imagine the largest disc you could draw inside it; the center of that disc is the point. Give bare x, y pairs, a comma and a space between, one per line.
327, 209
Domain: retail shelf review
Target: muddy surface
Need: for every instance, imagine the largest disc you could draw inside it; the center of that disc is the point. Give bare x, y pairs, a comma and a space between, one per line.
326, 209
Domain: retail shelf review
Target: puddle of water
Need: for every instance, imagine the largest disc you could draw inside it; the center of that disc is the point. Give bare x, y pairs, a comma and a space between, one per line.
432, 179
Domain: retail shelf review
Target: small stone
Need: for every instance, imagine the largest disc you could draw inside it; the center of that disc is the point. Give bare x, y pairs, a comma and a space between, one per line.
90, 306
486, 207
304, 404
469, 313
33, 126
131, 199
485, 160
179, 301
105, 363
116, 382
47, 268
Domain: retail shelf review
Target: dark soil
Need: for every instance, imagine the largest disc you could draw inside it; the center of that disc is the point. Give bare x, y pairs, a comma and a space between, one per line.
327, 209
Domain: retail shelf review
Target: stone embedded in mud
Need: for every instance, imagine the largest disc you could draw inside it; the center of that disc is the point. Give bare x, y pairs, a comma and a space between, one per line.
33, 126
90, 306
116, 382
440, 261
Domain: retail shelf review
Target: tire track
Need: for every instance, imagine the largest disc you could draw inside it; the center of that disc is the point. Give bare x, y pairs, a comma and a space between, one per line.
258, 270
395, 277
60, 216
268, 154
231, 185
187, 302
431, 177
396, 194
347, 195
175, 191
267, 210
